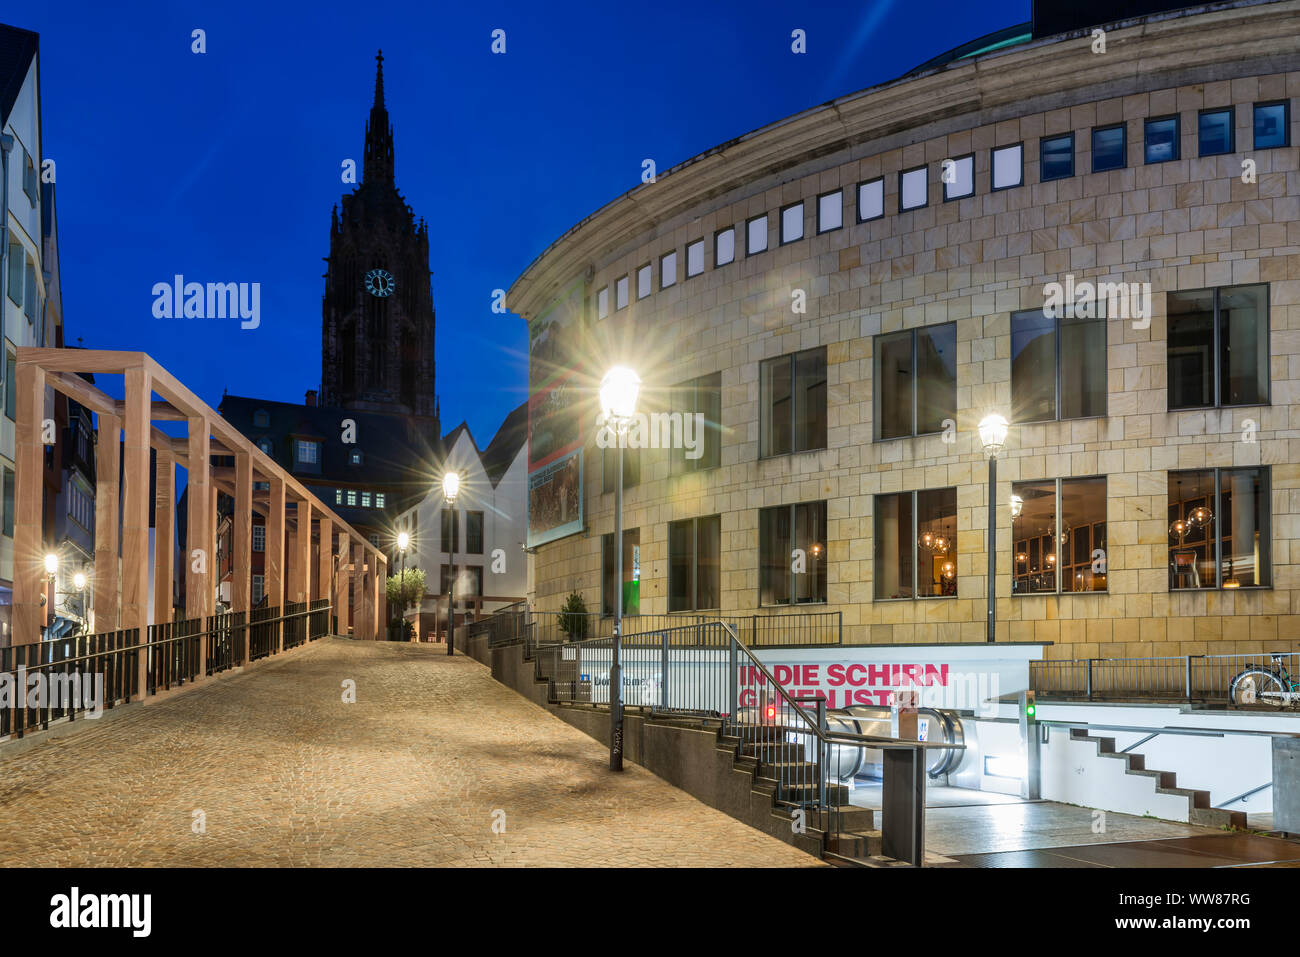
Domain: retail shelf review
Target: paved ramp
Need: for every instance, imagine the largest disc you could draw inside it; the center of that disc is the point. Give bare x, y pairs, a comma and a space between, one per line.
280, 772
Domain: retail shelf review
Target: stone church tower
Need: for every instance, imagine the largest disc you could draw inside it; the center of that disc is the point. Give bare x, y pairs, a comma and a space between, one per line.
377, 349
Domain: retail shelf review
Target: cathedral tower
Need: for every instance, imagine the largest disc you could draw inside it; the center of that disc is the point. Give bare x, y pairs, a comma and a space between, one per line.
377, 330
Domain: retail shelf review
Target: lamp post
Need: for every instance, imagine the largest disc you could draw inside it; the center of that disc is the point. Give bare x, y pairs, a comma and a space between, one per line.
993, 436
51, 576
403, 542
450, 489
618, 392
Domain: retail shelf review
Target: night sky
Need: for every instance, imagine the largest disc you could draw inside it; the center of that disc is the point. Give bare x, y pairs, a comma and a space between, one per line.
224, 166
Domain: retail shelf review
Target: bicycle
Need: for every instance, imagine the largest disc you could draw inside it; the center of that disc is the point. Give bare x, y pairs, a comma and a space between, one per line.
1260, 684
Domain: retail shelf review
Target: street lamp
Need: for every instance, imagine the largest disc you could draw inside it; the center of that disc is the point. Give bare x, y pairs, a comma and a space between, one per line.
403, 542
51, 576
450, 489
993, 436
618, 392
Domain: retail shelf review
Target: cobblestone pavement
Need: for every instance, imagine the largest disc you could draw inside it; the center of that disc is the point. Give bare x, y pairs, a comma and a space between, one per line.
285, 773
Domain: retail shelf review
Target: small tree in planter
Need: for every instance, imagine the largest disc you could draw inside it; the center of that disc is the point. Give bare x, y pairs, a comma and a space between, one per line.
404, 589
573, 617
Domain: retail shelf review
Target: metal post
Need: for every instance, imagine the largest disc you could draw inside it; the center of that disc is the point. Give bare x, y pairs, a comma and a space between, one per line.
401, 581
1089, 679
1187, 678
663, 677
615, 668
993, 529
451, 585
734, 678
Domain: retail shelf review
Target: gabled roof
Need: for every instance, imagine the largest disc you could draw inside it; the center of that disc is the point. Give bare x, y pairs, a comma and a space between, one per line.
505, 445
17, 49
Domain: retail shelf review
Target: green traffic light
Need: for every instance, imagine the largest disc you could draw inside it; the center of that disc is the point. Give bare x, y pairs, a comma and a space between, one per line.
1029, 710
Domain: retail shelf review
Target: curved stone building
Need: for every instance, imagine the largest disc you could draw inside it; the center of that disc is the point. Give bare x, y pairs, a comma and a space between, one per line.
845, 294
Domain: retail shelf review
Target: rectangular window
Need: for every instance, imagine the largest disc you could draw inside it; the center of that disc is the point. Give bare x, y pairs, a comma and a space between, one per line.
1160, 139
1109, 145
602, 303
1215, 132
14, 282
700, 397
644, 281
694, 564
916, 544
668, 270
1218, 347
306, 452
1058, 366
620, 293
830, 211
871, 199
792, 554
259, 538
29, 297
724, 246
11, 384
631, 572
1056, 157
1272, 125
793, 403
450, 530
8, 502
694, 258
352, 497
791, 223
259, 588
756, 235
912, 187
365, 499
29, 177
915, 378
1007, 169
959, 177
1220, 529
338, 496
1058, 536
474, 574
379, 500
474, 533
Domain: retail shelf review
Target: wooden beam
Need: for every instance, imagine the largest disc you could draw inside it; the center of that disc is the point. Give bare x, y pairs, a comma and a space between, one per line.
325, 557
135, 511
275, 546
241, 563
29, 577
164, 534
108, 505
302, 557
199, 559
343, 582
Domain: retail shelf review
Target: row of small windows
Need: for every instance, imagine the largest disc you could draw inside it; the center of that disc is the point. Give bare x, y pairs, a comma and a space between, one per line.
1216, 357
1219, 538
359, 498
1216, 136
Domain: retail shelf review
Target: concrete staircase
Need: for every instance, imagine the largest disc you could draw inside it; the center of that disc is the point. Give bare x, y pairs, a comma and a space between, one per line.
1181, 804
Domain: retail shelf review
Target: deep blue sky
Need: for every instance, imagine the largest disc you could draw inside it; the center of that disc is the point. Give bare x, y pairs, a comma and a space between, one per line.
224, 166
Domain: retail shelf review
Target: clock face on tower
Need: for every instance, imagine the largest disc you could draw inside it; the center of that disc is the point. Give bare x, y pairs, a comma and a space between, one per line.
379, 282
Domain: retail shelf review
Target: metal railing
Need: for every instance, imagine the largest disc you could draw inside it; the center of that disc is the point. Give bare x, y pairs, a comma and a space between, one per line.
519, 623
82, 674
1176, 678
706, 671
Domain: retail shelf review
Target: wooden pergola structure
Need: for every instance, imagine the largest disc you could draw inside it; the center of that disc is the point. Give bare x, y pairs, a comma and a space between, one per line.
121, 597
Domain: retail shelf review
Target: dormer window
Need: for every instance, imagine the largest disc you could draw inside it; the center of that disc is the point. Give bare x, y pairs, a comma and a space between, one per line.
262, 419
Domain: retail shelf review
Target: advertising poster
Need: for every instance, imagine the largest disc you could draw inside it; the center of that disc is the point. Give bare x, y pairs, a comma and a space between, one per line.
555, 440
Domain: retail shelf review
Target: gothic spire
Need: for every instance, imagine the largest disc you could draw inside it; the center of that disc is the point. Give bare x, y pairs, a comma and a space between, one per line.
378, 165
